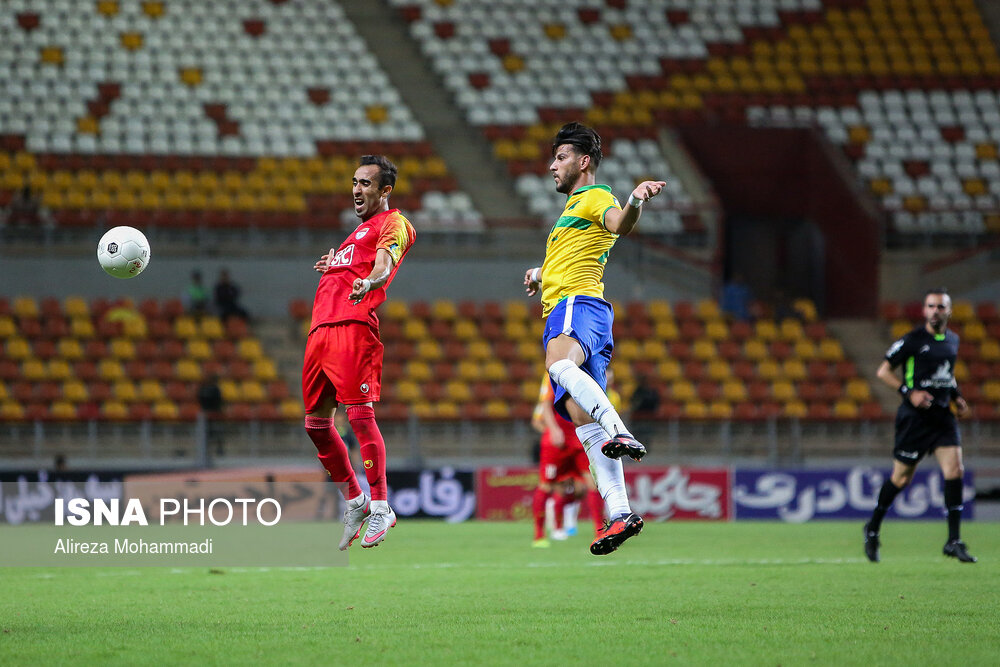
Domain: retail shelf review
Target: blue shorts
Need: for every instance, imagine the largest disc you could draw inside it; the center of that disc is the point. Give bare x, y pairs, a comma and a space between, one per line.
588, 320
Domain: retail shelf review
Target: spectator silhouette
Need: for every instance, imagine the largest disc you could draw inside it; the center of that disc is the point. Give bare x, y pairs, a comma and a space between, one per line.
227, 297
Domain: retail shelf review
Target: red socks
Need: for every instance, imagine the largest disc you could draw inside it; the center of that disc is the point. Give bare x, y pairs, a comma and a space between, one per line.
596, 506
362, 418
538, 510
332, 453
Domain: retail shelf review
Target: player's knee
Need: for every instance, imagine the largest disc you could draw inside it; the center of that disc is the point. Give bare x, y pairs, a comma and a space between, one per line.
902, 480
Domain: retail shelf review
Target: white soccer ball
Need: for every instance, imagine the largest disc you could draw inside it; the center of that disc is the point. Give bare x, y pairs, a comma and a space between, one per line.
123, 252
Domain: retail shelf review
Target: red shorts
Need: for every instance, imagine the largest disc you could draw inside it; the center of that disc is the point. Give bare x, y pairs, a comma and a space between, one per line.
556, 464
342, 360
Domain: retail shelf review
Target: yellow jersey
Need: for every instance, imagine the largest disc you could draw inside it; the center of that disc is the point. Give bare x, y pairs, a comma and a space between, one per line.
578, 246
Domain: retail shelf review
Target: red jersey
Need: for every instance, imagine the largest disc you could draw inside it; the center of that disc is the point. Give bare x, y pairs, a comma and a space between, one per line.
355, 259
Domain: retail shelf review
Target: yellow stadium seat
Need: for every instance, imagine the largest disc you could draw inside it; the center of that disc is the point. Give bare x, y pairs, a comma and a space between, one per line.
628, 350
682, 391
187, 370
230, 390
768, 369
58, 369
783, 391
766, 330
11, 411
703, 350
804, 349
165, 410
396, 310
114, 410
465, 330
718, 370
444, 309
290, 409
252, 391
963, 311
122, 349
830, 349
212, 329
669, 370
974, 331
755, 349
794, 369
961, 371
25, 307
429, 350
529, 350
734, 391
150, 390
716, 330
415, 330
457, 392
468, 370
75, 306
666, 330
529, 391
479, 350
806, 308
695, 409
199, 349
34, 370
845, 409
989, 350
110, 370
795, 409
75, 391
62, 410
7, 327
516, 310
124, 391
496, 409
707, 309
516, 330
18, 349
134, 327
991, 391
418, 371
791, 329
720, 410
653, 350
185, 327
264, 370
900, 328
447, 410
249, 349
858, 390
494, 371
69, 349
81, 327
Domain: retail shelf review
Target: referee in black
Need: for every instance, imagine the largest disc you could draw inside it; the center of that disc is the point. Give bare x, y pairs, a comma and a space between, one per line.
924, 421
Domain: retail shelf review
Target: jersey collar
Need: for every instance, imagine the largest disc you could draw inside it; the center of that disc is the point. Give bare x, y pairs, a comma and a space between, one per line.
591, 187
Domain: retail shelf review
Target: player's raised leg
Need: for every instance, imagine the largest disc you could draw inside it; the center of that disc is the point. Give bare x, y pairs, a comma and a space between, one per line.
362, 419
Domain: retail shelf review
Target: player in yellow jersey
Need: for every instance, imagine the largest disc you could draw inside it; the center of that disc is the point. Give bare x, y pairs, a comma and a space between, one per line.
577, 338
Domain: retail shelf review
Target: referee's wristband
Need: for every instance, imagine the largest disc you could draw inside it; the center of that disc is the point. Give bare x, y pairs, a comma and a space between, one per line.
635, 202
904, 389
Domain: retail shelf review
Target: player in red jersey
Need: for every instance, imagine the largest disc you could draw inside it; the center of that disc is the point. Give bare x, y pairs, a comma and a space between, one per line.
561, 459
343, 359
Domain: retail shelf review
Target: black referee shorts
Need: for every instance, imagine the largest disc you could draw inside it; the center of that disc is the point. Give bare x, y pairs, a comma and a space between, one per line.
920, 432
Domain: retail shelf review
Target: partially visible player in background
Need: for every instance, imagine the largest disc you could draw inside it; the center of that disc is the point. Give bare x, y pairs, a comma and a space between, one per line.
343, 359
577, 338
924, 421
561, 460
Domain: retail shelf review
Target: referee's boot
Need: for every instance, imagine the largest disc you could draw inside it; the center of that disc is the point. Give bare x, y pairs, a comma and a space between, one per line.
623, 445
871, 544
957, 549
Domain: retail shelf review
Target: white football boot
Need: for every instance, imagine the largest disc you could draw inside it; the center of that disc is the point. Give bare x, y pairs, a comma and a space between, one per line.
379, 522
358, 510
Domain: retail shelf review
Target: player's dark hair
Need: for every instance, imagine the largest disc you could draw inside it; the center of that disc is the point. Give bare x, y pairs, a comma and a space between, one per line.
584, 140
941, 291
387, 170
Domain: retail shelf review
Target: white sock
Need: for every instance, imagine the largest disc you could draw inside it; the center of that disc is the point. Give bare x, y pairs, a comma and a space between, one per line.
357, 501
379, 505
550, 514
569, 515
608, 473
588, 395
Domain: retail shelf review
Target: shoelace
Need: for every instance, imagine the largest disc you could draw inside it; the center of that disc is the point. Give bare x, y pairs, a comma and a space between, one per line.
377, 521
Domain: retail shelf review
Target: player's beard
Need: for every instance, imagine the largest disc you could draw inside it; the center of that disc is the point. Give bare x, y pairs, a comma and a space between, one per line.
566, 181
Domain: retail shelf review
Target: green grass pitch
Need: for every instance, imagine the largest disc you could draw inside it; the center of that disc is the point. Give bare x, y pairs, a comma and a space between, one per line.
477, 593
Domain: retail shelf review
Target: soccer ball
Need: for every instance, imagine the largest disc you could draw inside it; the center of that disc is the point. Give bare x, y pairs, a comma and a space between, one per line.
123, 252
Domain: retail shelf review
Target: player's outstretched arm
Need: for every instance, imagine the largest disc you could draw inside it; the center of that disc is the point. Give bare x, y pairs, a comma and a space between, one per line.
533, 280
622, 222
378, 277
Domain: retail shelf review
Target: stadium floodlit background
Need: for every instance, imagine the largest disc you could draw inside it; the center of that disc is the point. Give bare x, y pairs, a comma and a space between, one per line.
831, 158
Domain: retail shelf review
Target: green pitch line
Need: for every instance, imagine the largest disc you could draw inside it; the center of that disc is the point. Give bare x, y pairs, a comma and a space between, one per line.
477, 593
